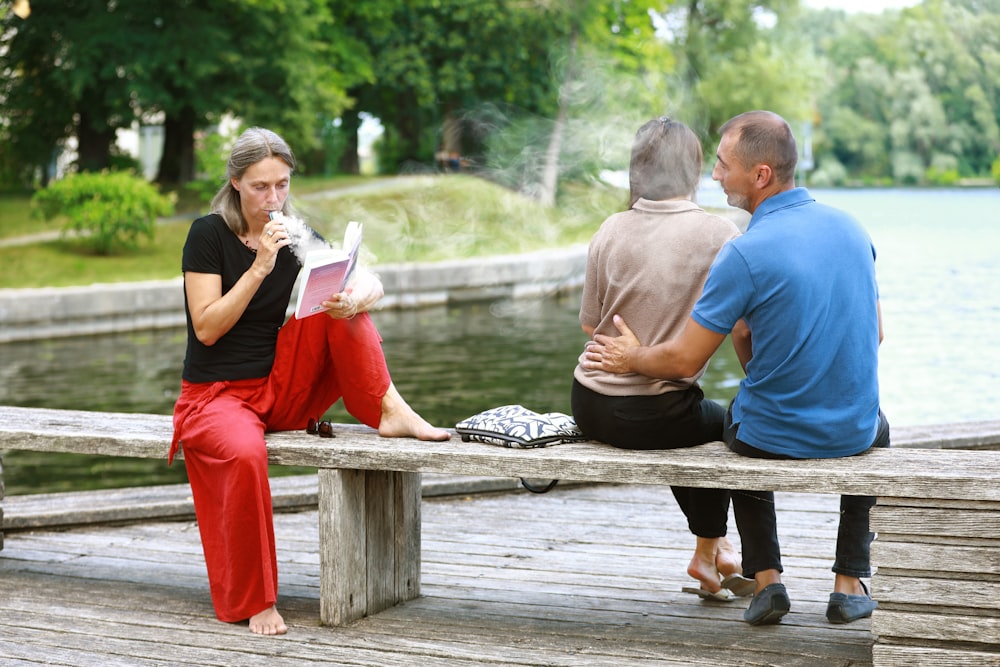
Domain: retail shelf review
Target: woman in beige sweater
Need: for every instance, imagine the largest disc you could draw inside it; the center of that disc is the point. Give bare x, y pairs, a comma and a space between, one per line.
648, 265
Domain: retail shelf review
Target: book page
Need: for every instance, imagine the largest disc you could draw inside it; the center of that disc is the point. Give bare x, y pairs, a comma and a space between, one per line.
326, 272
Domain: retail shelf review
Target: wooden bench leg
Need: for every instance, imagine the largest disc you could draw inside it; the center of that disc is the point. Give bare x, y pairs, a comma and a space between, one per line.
937, 582
1, 503
369, 542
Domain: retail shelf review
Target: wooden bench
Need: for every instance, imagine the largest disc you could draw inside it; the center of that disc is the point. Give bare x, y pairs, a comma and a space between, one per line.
938, 515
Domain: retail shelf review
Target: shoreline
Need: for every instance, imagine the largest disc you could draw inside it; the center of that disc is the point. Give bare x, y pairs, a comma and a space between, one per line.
50, 312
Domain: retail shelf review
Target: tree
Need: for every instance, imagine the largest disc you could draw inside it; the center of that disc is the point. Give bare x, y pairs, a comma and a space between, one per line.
912, 94
738, 55
615, 40
99, 65
61, 76
433, 62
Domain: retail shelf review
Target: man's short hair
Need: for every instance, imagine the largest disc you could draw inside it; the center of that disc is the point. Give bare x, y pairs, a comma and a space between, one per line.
764, 137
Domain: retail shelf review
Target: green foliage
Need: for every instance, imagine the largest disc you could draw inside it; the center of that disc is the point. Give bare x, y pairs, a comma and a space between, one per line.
87, 68
828, 174
432, 60
995, 170
943, 170
908, 87
211, 155
109, 210
738, 55
406, 220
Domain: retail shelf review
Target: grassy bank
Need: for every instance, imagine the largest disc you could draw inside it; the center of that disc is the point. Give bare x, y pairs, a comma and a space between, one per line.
406, 220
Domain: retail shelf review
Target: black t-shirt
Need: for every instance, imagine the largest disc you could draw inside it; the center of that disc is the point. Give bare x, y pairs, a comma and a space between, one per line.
247, 350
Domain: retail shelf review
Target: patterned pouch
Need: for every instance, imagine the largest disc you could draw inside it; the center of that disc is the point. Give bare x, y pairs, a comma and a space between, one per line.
516, 426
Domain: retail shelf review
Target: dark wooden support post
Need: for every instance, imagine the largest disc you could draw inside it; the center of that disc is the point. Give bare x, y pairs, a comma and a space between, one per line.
1, 503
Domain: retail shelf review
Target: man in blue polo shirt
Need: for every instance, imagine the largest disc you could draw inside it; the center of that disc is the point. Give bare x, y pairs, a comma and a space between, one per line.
798, 293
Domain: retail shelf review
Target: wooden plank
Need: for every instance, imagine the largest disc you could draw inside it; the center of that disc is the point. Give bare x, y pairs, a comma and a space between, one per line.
973, 523
391, 531
342, 546
948, 474
935, 627
960, 435
950, 596
550, 587
288, 493
945, 561
408, 535
909, 656
379, 534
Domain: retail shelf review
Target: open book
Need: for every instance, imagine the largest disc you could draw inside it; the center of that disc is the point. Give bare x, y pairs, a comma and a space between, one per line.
325, 272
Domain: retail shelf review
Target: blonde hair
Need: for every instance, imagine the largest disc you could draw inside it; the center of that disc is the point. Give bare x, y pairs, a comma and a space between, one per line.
254, 145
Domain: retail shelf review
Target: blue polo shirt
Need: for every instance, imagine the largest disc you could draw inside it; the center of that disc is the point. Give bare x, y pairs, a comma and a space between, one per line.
803, 278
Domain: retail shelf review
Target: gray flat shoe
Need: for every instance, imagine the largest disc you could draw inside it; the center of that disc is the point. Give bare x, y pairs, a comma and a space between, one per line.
844, 608
768, 606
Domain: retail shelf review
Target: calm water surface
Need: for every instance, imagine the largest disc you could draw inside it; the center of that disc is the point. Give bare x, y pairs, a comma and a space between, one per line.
938, 268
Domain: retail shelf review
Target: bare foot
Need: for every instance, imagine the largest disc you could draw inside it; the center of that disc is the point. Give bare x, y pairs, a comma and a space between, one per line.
268, 622
400, 420
727, 559
702, 566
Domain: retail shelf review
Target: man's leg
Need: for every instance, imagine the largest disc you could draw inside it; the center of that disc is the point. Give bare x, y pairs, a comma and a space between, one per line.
850, 599
757, 523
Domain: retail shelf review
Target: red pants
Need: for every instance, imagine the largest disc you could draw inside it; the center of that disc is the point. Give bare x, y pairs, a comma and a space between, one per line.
222, 425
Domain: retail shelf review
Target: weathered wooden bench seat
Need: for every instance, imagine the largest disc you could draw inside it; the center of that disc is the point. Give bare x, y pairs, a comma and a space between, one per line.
938, 515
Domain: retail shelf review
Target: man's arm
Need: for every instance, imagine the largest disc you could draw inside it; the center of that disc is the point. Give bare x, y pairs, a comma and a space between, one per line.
676, 358
742, 343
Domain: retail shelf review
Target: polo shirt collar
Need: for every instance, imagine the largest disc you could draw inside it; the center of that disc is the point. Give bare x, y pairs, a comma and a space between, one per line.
786, 199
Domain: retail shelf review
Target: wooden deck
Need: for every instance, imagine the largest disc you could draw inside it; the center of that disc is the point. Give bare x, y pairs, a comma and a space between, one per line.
584, 575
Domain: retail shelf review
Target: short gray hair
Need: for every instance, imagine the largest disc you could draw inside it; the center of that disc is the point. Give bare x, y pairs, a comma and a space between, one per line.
764, 137
666, 161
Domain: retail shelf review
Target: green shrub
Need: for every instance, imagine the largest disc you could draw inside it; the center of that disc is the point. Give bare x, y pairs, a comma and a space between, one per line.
995, 170
943, 170
107, 210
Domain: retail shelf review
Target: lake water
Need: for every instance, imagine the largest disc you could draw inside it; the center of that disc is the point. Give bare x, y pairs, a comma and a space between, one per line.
938, 268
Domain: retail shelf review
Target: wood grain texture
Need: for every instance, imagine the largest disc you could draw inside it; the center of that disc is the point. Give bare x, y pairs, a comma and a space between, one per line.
916, 473
585, 576
938, 517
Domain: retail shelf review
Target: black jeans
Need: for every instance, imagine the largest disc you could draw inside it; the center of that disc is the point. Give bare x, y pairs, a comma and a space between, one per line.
758, 527
666, 421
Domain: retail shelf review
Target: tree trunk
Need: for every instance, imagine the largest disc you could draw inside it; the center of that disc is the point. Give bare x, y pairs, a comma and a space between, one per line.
549, 181
350, 123
409, 125
177, 164
93, 146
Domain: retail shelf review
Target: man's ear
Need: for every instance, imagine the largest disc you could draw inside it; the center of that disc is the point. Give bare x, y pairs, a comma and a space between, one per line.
763, 176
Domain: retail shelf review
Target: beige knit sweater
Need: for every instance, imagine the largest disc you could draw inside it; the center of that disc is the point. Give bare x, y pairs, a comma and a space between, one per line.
649, 265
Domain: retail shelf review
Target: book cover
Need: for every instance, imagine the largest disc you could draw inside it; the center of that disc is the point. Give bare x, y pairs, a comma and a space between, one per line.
325, 272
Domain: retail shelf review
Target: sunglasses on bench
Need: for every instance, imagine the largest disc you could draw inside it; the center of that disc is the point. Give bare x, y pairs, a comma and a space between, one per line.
323, 429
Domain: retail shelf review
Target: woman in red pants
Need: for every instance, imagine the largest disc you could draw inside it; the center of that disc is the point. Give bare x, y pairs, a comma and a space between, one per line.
247, 371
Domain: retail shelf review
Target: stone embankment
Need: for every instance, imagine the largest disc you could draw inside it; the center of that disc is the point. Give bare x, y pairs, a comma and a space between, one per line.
30, 314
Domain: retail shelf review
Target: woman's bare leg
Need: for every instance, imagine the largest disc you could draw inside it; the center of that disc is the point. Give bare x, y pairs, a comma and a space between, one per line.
400, 420
703, 564
727, 559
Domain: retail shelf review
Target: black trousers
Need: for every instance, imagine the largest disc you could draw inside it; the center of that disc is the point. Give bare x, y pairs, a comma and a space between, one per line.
667, 421
757, 523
